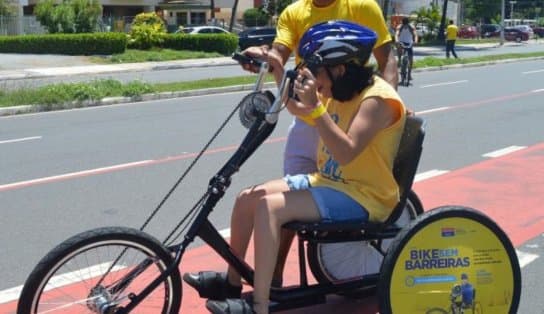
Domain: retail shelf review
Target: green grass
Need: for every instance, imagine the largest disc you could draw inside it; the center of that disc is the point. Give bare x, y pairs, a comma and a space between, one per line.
57, 95
133, 56
209, 83
436, 62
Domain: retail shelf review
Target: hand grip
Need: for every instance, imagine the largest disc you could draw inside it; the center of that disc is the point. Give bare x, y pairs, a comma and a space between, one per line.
244, 59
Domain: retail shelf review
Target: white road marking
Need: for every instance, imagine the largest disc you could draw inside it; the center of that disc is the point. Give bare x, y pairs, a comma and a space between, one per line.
525, 258
432, 110
444, 84
504, 151
21, 139
72, 175
13, 294
538, 90
429, 174
532, 72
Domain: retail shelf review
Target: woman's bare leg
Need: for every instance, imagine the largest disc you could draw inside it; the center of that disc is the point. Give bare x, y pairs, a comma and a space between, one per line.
271, 213
243, 216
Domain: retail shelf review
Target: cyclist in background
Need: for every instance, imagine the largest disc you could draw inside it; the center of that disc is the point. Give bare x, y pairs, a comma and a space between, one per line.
406, 36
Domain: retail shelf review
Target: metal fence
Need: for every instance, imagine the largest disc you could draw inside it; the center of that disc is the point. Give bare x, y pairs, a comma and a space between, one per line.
19, 25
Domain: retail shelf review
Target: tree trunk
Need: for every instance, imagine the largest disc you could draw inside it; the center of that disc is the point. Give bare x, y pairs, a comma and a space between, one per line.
441, 35
233, 16
212, 8
385, 8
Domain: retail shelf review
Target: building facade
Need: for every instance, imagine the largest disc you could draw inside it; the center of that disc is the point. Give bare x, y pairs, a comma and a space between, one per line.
175, 12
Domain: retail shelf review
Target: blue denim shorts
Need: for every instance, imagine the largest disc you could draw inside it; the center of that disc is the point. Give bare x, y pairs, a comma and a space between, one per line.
333, 205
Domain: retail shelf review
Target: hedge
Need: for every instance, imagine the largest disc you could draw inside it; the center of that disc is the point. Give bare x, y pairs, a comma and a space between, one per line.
221, 43
66, 44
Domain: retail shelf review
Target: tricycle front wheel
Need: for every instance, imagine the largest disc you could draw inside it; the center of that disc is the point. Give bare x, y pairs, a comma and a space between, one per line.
98, 271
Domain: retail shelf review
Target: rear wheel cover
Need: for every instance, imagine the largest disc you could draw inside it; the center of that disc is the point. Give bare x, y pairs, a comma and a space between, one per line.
444, 248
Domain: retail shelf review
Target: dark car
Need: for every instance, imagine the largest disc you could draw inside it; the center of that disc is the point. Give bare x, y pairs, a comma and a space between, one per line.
518, 33
539, 31
256, 36
490, 30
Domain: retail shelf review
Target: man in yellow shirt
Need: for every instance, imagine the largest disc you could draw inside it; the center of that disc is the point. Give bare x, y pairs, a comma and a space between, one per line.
451, 36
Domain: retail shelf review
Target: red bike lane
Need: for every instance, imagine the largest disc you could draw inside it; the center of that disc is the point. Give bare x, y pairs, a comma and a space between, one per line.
508, 189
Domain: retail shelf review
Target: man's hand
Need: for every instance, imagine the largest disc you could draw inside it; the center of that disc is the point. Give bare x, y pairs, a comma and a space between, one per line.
256, 52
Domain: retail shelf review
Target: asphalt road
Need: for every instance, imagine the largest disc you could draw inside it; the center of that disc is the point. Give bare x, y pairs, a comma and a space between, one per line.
69, 171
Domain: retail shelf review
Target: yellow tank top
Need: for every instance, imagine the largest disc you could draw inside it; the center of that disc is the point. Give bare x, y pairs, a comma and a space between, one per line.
368, 178
451, 32
302, 14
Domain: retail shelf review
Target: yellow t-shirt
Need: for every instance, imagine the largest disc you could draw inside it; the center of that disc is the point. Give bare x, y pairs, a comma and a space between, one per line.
302, 14
451, 32
368, 178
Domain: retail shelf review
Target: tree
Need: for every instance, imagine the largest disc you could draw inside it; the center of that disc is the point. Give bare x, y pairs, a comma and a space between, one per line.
6, 8
255, 17
430, 16
481, 11
86, 14
442, 28
80, 16
44, 12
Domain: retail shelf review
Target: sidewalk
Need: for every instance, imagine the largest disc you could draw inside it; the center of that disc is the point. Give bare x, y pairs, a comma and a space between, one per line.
19, 66
15, 71
13, 68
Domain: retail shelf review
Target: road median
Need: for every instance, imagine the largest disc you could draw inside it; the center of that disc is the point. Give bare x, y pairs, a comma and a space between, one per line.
109, 92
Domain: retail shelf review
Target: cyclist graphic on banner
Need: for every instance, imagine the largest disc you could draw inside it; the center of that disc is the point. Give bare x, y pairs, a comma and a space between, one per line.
406, 37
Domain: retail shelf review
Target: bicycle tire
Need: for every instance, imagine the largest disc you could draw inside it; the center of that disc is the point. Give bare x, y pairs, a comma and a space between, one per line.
328, 261
404, 70
61, 276
436, 249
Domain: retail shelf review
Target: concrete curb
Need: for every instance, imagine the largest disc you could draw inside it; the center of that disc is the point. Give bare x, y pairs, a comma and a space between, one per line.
7, 111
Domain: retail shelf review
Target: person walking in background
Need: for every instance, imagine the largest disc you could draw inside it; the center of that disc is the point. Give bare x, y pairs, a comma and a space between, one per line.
451, 36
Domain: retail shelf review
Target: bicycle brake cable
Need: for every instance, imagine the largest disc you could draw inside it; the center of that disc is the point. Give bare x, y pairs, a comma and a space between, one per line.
189, 168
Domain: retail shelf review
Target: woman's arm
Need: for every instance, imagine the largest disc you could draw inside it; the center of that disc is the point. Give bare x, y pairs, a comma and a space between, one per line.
374, 115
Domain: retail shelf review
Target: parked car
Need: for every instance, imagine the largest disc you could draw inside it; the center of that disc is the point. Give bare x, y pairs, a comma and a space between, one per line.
518, 33
490, 30
256, 36
203, 30
539, 31
468, 32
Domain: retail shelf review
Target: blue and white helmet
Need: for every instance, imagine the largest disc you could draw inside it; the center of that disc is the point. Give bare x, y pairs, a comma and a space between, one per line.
336, 42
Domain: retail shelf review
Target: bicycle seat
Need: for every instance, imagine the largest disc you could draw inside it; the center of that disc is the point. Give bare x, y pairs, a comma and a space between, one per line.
404, 171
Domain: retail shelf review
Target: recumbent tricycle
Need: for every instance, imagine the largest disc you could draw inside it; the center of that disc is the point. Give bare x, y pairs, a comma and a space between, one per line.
411, 261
